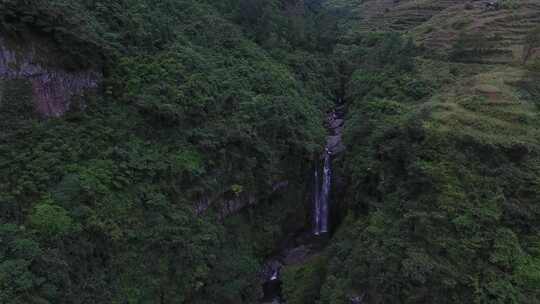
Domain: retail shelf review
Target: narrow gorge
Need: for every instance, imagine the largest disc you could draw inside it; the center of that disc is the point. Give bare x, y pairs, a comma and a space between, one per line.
269, 151
306, 243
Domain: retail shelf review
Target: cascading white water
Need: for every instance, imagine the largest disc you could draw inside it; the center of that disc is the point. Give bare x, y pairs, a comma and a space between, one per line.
325, 192
272, 282
316, 202
275, 275
321, 195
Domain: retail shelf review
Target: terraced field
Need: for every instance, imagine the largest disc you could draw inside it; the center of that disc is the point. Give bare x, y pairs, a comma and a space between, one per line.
438, 24
483, 98
488, 106
504, 29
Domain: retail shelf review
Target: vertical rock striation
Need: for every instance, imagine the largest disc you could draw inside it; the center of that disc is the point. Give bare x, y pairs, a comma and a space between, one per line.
52, 87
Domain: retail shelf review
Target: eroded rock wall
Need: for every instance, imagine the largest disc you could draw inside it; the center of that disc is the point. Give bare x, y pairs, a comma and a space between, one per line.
52, 87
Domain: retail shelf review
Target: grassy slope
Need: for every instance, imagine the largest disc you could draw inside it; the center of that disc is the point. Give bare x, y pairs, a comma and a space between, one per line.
437, 24
484, 100
451, 182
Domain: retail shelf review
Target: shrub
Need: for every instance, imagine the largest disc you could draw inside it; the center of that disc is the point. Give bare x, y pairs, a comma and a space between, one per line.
302, 283
50, 220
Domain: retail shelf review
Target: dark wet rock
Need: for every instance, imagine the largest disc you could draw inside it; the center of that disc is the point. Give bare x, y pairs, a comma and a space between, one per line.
271, 270
357, 299
336, 123
280, 185
271, 281
234, 205
335, 144
227, 205
296, 255
333, 141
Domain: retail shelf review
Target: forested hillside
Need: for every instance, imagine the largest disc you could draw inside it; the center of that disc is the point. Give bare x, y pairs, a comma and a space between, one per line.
163, 151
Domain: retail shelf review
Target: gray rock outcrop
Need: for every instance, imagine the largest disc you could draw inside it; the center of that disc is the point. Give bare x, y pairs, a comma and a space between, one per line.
52, 87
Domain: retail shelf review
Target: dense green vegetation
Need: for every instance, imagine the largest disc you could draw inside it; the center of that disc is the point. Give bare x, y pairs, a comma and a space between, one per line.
443, 184
221, 100
98, 207
438, 215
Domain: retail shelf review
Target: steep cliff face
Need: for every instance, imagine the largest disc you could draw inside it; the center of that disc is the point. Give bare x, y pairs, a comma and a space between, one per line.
52, 88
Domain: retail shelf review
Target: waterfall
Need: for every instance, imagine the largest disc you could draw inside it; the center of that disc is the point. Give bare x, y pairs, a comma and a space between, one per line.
325, 192
321, 191
316, 202
302, 245
321, 195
